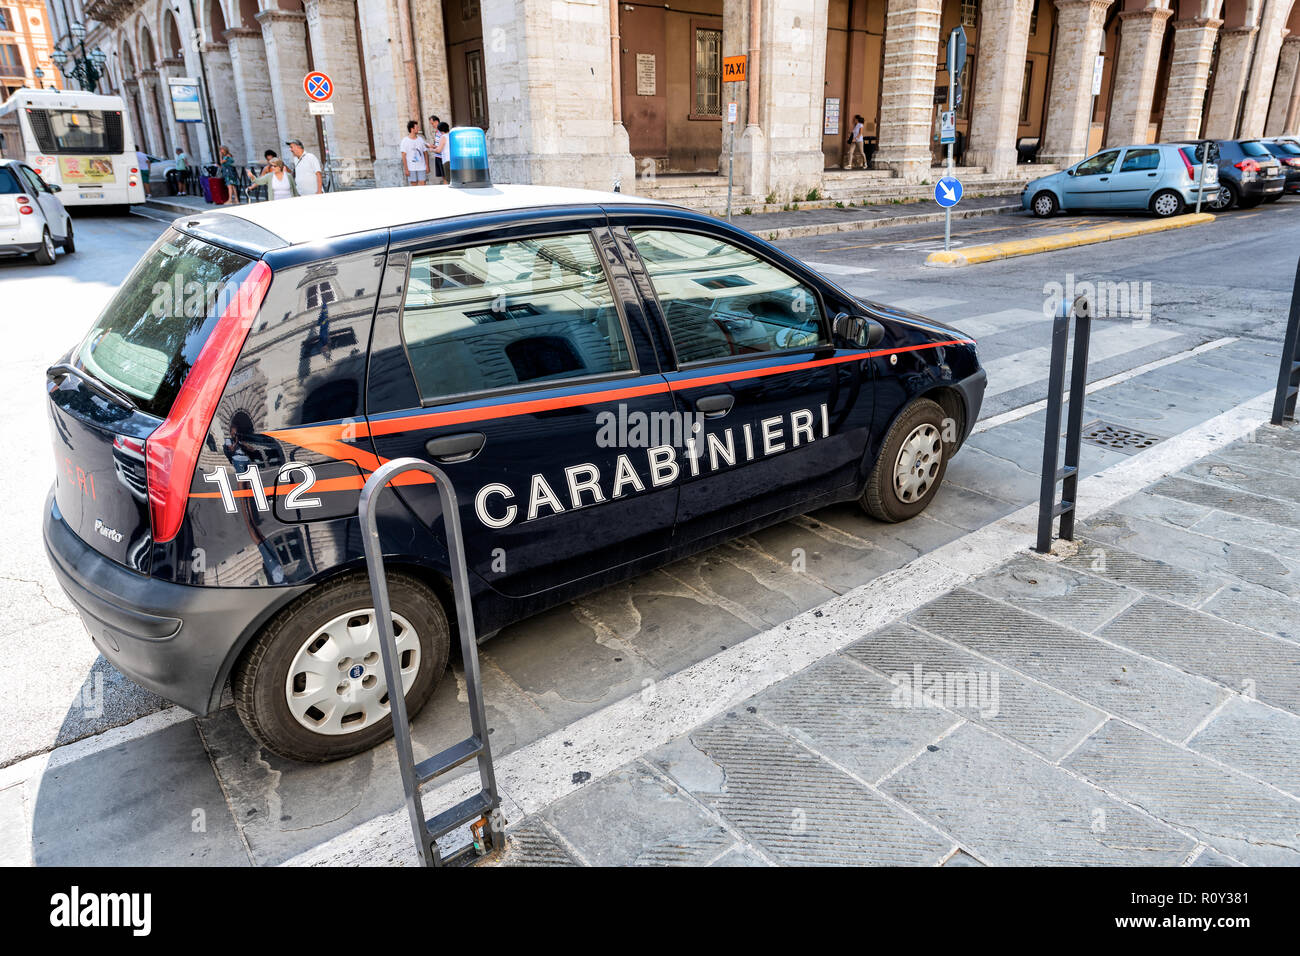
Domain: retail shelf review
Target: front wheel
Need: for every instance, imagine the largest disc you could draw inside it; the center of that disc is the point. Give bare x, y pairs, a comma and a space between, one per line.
911, 465
1167, 203
311, 687
1044, 205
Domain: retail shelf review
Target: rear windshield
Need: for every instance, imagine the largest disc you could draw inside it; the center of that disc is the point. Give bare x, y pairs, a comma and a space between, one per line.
1254, 148
1277, 149
9, 182
153, 329
77, 131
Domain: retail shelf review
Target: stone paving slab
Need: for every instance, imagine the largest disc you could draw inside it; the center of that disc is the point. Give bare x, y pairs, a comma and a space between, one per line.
1229, 495
1056, 591
799, 809
1260, 740
1241, 659
1114, 680
1257, 607
1246, 820
1142, 573
1037, 716
1014, 809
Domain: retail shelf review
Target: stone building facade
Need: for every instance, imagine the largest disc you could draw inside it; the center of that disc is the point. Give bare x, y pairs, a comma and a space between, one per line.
598, 92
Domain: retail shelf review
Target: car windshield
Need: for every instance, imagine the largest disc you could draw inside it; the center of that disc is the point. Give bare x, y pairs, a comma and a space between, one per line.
152, 330
76, 131
1284, 149
1255, 148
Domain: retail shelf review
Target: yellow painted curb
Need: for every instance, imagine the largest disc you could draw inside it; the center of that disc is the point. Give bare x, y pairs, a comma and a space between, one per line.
1062, 240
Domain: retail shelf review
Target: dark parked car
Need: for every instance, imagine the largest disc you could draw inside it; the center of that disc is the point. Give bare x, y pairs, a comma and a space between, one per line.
611, 383
1288, 154
1248, 175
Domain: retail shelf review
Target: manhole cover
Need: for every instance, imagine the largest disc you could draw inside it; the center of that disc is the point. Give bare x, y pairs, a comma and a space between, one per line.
1119, 437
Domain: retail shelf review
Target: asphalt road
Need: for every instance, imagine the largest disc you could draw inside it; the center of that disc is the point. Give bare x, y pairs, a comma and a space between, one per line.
1196, 285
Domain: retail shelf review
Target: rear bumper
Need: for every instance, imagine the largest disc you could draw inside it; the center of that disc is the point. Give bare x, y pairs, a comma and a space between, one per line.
173, 639
1259, 188
23, 238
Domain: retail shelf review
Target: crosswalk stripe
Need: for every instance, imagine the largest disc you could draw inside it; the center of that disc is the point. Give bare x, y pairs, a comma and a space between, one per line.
925, 304
991, 323
1033, 365
836, 269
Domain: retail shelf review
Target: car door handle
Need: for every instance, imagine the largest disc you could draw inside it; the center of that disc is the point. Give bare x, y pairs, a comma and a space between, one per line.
715, 406
453, 448
1150, 174
1103, 178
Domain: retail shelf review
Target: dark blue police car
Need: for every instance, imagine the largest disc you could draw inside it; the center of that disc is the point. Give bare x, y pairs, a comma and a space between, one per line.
611, 384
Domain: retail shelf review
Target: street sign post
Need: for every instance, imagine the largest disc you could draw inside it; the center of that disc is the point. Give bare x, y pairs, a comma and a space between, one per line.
733, 71
947, 192
319, 88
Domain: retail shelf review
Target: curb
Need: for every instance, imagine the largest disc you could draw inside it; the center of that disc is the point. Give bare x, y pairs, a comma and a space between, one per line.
1064, 240
859, 225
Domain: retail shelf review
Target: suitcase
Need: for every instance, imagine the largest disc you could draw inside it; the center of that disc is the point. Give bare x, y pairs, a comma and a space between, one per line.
205, 184
218, 190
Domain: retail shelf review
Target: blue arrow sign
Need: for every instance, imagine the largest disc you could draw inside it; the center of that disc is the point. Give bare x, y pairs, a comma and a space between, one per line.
947, 191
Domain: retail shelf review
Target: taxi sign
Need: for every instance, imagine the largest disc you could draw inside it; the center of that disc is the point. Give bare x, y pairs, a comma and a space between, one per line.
733, 68
947, 191
318, 86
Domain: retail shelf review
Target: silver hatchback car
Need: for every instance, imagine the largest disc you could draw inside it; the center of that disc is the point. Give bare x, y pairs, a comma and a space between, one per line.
1162, 177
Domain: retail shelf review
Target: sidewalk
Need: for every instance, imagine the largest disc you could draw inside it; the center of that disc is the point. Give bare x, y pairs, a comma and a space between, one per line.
1131, 699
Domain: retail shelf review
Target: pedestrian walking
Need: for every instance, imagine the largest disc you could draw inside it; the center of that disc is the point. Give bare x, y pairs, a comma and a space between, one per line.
415, 164
229, 175
182, 167
306, 170
279, 182
435, 125
142, 164
444, 150
856, 150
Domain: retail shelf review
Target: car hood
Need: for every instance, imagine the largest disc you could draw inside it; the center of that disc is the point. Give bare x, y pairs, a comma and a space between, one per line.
939, 330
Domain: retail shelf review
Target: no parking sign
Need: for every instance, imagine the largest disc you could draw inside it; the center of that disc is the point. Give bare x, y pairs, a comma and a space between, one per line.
318, 85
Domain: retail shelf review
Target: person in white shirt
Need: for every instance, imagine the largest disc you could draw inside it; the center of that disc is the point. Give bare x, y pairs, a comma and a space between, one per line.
856, 151
444, 150
414, 150
306, 170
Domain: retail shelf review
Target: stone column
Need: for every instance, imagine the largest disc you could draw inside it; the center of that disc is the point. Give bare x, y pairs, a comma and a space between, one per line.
431, 60
792, 84
252, 86
149, 99
1235, 44
1288, 65
225, 99
1079, 26
1189, 73
1259, 85
179, 132
999, 78
907, 92
332, 25
550, 87
284, 39
1141, 33
1293, 110
388, 87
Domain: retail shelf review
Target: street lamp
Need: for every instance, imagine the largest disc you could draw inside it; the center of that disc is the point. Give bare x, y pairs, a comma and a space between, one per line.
71, 57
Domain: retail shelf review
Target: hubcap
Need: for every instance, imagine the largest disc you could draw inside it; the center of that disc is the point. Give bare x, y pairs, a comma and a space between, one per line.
1223, 197
918, 463
1165, 205
1043, 206
336, 681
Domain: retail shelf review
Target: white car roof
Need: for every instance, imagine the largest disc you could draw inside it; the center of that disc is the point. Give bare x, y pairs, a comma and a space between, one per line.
310, 218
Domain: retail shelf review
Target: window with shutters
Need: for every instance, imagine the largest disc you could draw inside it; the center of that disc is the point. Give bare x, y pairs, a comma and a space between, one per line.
708, 72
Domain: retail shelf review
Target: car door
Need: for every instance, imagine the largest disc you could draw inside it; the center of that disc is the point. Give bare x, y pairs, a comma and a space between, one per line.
528, 348
1089, 187
51, 208
1138, 175
777, 415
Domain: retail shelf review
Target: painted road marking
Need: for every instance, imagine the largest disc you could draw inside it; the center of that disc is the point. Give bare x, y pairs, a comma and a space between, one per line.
1032, 365
924, 304
835, 269
991, 323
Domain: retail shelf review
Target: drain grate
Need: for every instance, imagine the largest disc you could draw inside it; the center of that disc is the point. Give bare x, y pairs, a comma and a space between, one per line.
1119, 437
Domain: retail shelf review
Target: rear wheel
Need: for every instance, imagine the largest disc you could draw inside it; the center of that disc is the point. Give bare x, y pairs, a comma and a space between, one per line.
311, 687
911, 465
1044, 205
1167, 203
45, 254
69, 243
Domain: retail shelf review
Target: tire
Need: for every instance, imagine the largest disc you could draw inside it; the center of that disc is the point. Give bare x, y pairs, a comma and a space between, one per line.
45, 254
314, 630
1225, 198
1044, 205
918, 429
69, 243
1167, 203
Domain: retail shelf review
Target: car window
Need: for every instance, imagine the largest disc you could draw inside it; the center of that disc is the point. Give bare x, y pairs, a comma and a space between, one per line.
1137, 160
720, 300
1283, 149
1254, 148
9, 181
514, 313
31, 179
1096, 165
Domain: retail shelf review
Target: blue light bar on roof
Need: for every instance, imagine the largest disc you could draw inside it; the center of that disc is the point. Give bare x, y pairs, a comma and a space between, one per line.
469, 159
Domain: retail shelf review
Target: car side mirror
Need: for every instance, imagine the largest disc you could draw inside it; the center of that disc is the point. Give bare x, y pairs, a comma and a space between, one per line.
54, 188
1069, 172
857, 331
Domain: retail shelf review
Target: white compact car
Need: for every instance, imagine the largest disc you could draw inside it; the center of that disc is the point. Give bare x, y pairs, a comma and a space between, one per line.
32, 219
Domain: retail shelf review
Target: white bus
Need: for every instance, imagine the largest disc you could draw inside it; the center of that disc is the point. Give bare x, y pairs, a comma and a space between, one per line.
82, 141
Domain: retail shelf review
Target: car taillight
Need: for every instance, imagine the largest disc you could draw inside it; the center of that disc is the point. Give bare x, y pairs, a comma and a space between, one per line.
21, 200
25, 210
1292, 161
134, 170
1247, 166
173, 448
132, 182
1191, 176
